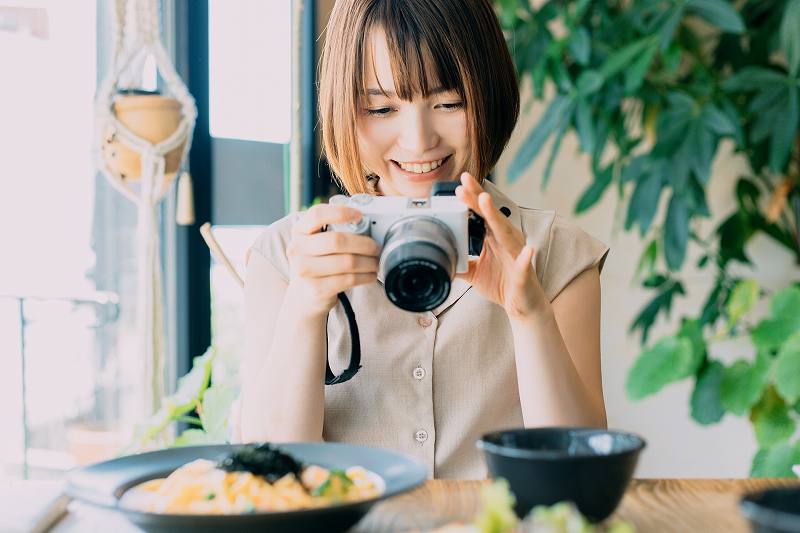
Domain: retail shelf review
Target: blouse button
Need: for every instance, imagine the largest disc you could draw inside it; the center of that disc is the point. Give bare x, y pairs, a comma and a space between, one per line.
421, 436
419, 373
425, 321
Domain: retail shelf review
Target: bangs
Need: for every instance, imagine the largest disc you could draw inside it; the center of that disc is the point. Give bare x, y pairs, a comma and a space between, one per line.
421, 57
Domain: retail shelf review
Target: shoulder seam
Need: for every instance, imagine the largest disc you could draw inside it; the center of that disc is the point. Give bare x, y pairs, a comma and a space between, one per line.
255, 249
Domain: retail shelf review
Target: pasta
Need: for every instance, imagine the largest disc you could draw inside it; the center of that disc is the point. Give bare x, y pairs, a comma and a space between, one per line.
206, 487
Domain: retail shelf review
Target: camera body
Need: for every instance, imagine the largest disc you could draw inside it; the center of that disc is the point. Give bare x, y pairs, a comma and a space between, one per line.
424, 242
380, 213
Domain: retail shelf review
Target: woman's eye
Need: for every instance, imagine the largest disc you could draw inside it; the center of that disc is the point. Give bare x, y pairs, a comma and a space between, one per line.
455, 105
381, 112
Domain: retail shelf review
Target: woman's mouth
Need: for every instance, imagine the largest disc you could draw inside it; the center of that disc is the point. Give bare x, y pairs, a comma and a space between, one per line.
427, 171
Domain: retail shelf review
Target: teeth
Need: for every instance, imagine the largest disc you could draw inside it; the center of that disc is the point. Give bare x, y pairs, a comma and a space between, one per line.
421, 168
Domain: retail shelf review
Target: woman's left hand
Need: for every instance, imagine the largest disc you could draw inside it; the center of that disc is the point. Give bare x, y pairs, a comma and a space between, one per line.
504, 271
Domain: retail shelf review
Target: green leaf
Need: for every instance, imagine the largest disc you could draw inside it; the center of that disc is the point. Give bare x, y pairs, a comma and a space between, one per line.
692, 331
676, 232
718, 13
497, 508
743, 298
662, 303
743, 384
634, 75
595, 191
717, 121
701, 146
580, 46
668, 360
776, 461
790, 35
647, 261
533, 143
771, 333
215, 415
753, 79
706, 406
619, 60
559, 136
672, 57
787, 369
584, 126
784, 131
644, 201
665, 35
771, 420
192, 437
589, 82
786, 302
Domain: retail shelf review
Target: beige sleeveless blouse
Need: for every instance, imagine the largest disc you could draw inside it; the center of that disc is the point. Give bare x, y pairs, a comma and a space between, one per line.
432, 383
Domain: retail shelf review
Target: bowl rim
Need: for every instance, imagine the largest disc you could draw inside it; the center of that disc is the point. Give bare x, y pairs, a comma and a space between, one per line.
523, 453
756, 511
113, 501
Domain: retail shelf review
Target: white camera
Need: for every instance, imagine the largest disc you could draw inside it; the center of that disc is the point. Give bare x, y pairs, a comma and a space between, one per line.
424, 242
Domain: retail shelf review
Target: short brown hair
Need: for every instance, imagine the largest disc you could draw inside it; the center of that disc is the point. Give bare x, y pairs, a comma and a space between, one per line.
463, 41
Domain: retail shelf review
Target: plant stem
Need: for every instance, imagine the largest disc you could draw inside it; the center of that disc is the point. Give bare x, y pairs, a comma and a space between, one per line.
190, 420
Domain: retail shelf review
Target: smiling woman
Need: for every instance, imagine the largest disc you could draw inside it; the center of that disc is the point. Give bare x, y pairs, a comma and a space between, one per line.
399, 89
415, 93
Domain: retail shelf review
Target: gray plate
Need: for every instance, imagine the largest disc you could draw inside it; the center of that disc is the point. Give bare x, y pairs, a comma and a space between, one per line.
104, 484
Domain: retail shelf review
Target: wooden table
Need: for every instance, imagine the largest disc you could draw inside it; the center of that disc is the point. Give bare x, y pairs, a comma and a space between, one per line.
651, 506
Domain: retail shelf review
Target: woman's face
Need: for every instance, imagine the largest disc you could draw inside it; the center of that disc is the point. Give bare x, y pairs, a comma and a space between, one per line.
409, 145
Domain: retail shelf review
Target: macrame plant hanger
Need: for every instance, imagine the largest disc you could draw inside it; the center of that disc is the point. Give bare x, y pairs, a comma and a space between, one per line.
142, 139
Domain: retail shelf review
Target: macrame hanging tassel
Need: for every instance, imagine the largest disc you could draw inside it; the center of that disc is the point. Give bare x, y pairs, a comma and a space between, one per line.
184, 212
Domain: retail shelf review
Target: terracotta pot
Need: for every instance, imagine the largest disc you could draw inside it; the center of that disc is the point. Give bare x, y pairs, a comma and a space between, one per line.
150, 116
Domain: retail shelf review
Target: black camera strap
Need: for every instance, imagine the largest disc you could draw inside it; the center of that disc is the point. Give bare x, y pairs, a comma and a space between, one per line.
355, 351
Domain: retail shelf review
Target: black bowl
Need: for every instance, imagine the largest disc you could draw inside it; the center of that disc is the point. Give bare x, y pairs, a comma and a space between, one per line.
589, 467
104, 484
773, 510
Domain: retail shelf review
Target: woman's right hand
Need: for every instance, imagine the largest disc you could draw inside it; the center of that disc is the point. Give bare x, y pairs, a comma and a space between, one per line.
325, 263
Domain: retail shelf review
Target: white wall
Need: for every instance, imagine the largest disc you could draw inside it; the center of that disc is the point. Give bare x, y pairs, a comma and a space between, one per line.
677, 446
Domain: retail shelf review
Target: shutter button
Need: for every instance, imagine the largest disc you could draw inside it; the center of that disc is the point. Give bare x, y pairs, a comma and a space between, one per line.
419, 372
421, 436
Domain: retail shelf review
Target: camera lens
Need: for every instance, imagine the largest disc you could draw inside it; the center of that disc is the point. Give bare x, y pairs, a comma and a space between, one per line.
418, 262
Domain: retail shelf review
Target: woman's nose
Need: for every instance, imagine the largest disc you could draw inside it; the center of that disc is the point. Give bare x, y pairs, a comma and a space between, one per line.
418, 134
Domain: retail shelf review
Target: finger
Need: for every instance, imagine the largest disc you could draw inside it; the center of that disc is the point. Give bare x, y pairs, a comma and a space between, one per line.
321, 215
342, 282
469, 199
470, 183
333, 242
331, 265
524, 263
501, 229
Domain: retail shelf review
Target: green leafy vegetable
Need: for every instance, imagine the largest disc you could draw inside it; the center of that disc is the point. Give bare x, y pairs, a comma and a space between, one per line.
497, 510
335, 487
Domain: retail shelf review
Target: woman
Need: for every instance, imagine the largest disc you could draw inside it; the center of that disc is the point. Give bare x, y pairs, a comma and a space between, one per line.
413, 92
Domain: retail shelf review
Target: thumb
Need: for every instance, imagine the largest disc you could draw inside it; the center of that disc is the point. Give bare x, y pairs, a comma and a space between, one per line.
524, 263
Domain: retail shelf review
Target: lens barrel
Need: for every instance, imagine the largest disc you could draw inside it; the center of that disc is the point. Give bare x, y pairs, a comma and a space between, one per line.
418, 262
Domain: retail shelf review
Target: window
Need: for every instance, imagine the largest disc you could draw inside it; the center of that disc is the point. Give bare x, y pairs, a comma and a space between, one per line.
249, 69
68, 274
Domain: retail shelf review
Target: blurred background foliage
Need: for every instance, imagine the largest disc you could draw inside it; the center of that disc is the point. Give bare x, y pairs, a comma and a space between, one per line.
652, 89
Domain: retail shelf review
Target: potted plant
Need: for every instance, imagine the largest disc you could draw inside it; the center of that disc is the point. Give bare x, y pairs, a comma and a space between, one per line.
652, 89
